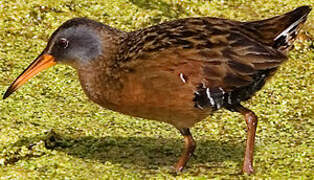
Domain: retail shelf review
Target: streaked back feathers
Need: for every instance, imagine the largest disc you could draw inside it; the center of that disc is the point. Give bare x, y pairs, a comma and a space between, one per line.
280, 31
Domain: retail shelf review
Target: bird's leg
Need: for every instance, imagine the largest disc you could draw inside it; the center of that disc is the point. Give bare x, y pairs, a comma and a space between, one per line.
189, 147
251, 122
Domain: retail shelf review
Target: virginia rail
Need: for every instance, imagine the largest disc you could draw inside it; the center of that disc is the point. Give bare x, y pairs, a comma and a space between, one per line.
177, 72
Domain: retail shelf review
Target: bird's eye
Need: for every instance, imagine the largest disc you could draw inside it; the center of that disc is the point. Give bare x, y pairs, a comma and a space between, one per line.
64, 43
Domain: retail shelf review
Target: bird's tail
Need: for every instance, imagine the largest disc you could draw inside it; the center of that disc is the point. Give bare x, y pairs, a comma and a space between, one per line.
280, 31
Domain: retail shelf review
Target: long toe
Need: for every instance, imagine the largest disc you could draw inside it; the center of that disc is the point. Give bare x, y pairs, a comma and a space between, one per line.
248, 169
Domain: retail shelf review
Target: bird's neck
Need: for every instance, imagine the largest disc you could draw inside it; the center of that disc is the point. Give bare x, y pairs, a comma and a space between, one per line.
101, 77
101, 83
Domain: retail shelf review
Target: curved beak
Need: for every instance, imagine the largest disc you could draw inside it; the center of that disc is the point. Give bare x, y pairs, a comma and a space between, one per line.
42, 62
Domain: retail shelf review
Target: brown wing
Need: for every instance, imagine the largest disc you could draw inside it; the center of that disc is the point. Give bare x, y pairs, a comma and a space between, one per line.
235, 64
234, 68
229, 55
216, 55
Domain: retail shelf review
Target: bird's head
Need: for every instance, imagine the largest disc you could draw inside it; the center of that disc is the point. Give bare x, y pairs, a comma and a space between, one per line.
77, 42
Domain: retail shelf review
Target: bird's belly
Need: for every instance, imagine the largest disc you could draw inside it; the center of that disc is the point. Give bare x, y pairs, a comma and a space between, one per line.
162, 97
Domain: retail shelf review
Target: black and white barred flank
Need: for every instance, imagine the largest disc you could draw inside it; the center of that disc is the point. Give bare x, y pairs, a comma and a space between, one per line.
216, 98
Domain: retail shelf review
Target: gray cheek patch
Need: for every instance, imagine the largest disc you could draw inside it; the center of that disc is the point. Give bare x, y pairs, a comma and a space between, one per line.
84, 52
83, 45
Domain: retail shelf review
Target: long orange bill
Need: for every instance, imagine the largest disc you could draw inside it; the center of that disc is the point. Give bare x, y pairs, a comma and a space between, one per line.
42, 62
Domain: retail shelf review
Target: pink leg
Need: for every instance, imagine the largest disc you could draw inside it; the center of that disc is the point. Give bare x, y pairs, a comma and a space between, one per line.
189, 147
251, 122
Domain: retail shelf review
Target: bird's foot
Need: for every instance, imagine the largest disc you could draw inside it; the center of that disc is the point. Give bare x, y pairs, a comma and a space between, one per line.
178, 167
248, 169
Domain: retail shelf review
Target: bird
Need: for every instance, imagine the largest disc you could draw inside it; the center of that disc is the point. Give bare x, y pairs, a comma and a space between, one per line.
178, 72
